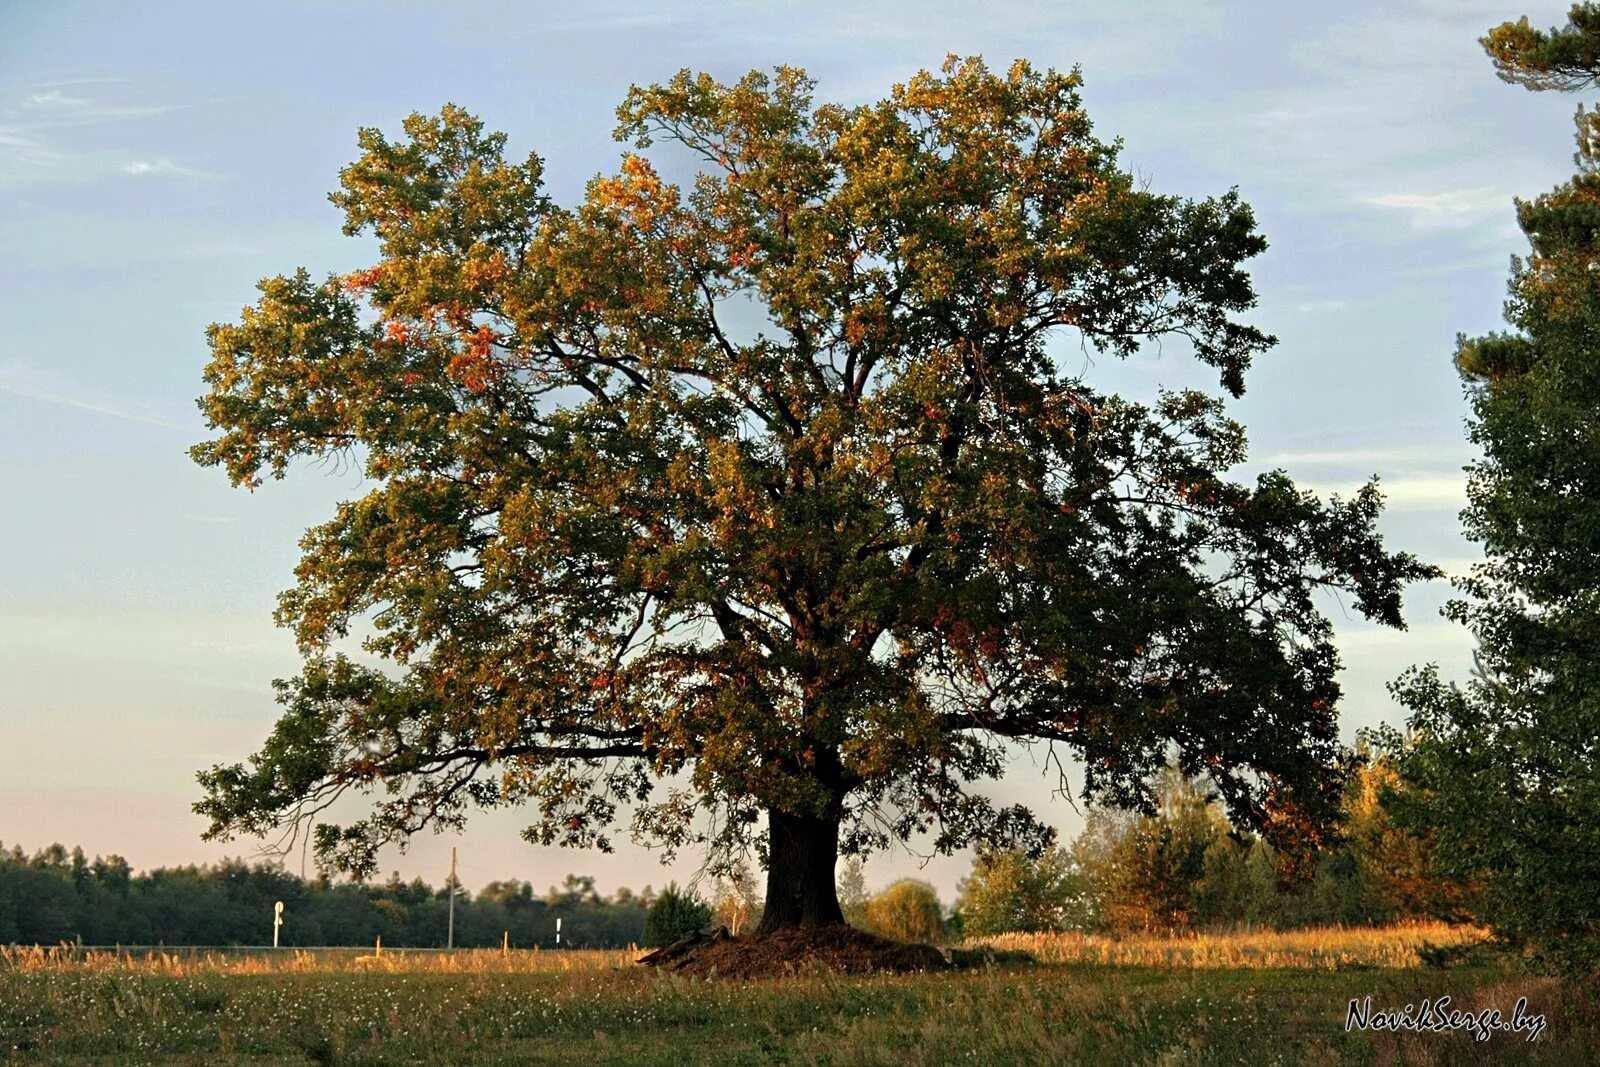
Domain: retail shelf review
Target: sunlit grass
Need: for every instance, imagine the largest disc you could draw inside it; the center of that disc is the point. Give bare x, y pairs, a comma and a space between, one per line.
1213, 999
1323, 947
58, 958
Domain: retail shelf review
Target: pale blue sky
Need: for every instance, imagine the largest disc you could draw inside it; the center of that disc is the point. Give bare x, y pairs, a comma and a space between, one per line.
156, 160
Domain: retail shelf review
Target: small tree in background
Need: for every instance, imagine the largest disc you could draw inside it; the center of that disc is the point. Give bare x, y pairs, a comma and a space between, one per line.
676, 913
1238, 884
1141, 873
1094, 853
853, 893
907, 911
738, 899
1396, 863
1008, 891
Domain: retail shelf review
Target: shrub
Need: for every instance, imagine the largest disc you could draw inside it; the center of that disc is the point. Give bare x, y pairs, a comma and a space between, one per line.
675, 913
906, 911
1011, 892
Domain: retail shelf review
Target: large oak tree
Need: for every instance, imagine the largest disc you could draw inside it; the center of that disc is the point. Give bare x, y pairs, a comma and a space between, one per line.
760, 510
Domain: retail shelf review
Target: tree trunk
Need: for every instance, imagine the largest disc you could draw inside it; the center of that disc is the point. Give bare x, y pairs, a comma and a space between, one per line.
802, 851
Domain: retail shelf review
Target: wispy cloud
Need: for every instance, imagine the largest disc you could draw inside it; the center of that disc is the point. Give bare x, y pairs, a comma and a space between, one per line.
19, 379
31, 148
141, 168
54, 98
1394, 139
1408, 454
52, 111
646, 20
1449, 207
67, 83
1413, 476
1456, 566
1420, 492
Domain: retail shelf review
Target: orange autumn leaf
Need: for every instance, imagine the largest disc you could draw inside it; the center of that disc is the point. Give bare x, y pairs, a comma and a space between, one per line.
362, 280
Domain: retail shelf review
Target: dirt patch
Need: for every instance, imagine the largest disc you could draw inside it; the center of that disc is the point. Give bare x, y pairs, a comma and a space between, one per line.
843, 949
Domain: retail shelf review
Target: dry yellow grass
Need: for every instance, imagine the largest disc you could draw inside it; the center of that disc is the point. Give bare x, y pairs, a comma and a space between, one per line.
317, 961
1323, 947
1319, 948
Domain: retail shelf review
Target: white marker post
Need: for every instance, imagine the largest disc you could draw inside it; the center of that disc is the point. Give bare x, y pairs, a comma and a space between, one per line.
558, 931
450, 938
277, 921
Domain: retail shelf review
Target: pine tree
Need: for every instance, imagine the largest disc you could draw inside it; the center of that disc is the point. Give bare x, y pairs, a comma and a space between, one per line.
1504, 770
675, 913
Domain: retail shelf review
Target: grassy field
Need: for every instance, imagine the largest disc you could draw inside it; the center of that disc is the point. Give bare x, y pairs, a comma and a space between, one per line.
1248, 998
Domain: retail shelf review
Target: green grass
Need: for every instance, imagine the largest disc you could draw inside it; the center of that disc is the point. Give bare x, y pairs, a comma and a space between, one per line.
605, 1013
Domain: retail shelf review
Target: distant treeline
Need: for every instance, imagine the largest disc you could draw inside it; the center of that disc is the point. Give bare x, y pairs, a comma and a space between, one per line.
59, 895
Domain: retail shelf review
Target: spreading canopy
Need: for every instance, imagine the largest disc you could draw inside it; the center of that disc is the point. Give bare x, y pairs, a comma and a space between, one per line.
769, 487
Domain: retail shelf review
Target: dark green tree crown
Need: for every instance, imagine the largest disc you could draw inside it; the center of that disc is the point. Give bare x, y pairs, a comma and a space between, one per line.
1501, 770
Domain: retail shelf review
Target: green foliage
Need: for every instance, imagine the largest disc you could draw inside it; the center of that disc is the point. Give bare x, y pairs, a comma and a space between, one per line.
1142, 873
816, 564
1563, 57
1009, 891
1502, 770
1237, 886
907, 911
853, 895
1186, 867
676, 913
1398, 863
738, 901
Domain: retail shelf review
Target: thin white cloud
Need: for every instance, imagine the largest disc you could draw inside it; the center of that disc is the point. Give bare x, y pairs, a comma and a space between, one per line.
24, 157
1450, 207
1456, 566
1425, 492
67, 83
1311, 307
1368, 456
91, 406
236, 648
141, 168
29, 154
222, 250
54, 98
647, 20
89, 114
21, 380
1353, 114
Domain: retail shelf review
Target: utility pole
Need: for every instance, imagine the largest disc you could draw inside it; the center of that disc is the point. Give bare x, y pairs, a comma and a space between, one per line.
450, 936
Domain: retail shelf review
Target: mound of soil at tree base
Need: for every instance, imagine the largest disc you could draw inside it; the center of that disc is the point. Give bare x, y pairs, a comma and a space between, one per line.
837, 948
